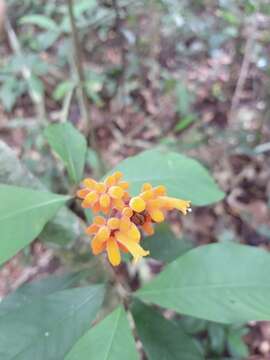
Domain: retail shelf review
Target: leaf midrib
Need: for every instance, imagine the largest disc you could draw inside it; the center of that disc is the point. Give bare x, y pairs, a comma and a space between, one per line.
205, 287
33, 207
113, 335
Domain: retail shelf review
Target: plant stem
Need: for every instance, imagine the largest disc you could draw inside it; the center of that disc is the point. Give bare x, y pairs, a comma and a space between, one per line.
78, 60
37, 99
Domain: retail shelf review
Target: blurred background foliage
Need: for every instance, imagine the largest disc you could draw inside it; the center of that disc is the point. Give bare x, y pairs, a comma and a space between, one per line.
192, 76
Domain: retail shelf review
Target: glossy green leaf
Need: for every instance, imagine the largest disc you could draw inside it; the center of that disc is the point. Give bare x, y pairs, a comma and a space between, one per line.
46, 327
217, 338
111, 339
161, 338
65, 227
26, 293
236, 344
184, 177
41, 21
23, 214
70, 145
164, 245
48, 285
227, 283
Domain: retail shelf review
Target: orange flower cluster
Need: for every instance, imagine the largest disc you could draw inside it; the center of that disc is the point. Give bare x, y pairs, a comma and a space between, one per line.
126, 215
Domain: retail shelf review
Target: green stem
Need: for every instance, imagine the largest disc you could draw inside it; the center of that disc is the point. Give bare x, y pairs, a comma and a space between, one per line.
78, 61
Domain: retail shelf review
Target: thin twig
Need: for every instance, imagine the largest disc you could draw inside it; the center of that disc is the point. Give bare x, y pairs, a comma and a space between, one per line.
244, 68
26, 72
78, 61
124, 62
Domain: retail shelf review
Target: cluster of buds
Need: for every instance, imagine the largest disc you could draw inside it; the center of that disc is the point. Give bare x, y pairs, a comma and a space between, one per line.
125, 215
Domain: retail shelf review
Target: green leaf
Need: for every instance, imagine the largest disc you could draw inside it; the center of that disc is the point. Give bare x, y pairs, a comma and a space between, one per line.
62, 89
227, 283
184, 177
36, 87
111, 339
25, 293
41, 21
185, 121
184, 98
161, 338
192, 325
217, 337
23, 214
70, 145
66, 226
236, 344
46, 327
164, 245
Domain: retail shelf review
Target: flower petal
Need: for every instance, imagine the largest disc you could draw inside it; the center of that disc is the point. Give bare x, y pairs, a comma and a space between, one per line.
134, 248
157, 215
89, 183
113, 223
170, 203
124, 185
110, 181
92, 229
97, 246
116, 192
99, 220
113, 252
90, 199
118, 175
148, 228
127, 212
124, 224
103, 233
104, 201
134, 233
82, 193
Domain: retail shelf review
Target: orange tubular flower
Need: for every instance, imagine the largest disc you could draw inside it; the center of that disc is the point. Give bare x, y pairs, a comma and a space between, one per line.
115, 234
153, 203
125, 215
104, 196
